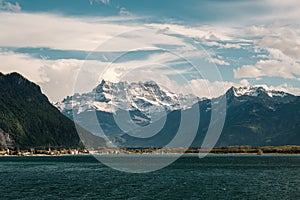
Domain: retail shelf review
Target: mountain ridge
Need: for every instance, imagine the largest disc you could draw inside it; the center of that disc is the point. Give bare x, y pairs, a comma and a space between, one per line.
109, 97
27, 116
255, 116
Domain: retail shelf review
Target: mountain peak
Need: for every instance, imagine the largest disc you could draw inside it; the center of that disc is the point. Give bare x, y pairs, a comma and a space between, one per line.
17, 80
255, 91
147, 97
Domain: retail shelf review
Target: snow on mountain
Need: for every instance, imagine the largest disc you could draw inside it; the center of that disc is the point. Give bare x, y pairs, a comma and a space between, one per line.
147, 97
255, 91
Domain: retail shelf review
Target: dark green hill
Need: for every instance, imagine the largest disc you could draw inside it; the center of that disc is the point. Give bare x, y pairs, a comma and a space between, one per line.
30, 119
261, 120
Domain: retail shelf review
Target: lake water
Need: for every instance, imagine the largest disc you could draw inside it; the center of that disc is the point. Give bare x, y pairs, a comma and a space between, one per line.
214, 177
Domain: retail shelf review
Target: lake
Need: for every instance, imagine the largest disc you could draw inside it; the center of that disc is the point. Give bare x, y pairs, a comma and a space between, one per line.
213, 177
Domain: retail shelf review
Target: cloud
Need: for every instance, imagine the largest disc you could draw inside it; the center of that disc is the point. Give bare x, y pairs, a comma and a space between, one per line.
205, 88
211, 89
285, 39
218, 61
279, 11
277, 64
56, 77
215, 32
244, 83
277, 44
283, 87
160, 64
220, 45
7, 6
282, 44
23, 64
124, 12
106, 2
85, 34
65, 33
287, 88
257, 30
269, 68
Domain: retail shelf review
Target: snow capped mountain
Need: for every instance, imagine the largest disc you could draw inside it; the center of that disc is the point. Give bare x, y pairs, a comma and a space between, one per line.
147, 97
254, 115
256, 91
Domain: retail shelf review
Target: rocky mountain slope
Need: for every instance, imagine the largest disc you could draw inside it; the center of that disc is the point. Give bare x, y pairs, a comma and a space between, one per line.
29, 120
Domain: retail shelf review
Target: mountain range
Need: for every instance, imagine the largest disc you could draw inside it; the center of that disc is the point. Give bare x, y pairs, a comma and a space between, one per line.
255, 116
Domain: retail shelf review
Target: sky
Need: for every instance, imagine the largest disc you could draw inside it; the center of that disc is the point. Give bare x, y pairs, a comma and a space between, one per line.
187, 46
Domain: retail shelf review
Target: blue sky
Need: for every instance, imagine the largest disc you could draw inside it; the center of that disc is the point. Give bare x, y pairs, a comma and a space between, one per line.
201, 47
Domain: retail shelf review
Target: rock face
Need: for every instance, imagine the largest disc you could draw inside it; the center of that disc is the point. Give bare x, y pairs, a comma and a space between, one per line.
29, 120
5, 140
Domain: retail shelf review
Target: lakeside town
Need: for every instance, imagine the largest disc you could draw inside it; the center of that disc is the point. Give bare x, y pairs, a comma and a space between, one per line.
290, 149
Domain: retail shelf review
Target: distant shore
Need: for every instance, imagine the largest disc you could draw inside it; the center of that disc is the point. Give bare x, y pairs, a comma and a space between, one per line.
289, 149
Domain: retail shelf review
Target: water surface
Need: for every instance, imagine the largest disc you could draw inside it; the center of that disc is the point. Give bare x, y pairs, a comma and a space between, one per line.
214, 177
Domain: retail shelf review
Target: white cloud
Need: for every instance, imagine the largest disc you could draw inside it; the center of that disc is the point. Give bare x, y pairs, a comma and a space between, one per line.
7, 6
210, 89
69, 33
124, 12
218, 61
283, 46
277, 64
285, 39
288, 89
85, 34
244, 83
281, 38
257, 30
279, 11
56, 77
106, 2
65, 33
154, 66
268, 68
199, 32
225, 46
283, 87
23, 64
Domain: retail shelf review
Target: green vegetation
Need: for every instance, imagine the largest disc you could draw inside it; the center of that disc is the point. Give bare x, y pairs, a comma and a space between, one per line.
258, 150
223, 150
218, 150
30, 119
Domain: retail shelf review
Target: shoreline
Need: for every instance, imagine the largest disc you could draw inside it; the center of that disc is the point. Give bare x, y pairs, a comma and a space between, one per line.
155, 154
229, 150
